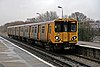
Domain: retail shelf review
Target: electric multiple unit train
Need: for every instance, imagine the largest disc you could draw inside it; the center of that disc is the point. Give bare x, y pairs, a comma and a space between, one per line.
60, 33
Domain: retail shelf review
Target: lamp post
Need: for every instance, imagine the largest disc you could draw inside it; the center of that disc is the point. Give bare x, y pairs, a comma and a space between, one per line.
38, 13
62, 10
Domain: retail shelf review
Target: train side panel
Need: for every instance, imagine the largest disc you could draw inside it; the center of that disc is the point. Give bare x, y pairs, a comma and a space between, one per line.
17, 31
26, 32
47, 32
21, 31
13, 31
50, 34
9, 31
35, 32
43, 32
31, 32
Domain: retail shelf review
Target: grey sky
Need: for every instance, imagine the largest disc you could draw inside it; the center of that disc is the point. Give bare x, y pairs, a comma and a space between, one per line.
12, 10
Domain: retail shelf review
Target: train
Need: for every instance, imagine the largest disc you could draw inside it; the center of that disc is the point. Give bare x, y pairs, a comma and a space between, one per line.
59, 34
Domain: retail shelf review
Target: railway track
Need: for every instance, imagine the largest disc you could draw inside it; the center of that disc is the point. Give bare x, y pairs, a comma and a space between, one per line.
54, 58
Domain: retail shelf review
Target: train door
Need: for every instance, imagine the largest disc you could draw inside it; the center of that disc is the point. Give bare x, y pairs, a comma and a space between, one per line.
65, 32
38, 34
49, 32
29, 31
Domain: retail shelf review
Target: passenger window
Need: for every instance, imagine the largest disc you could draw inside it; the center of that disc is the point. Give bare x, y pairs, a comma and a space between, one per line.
32, 29
26, 29
20, 29
43, 29
35, 29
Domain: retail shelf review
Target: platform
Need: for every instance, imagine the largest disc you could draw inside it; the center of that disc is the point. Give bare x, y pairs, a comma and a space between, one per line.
14, 56
89, 44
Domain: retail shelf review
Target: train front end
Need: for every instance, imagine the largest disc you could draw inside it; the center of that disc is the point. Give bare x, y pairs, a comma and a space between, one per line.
66, 33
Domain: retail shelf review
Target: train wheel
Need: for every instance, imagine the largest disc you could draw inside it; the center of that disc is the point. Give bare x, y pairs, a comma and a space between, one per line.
52, 48
47, 46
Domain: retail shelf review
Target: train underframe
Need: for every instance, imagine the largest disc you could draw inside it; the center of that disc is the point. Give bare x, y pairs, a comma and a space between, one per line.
62, 46
46, 45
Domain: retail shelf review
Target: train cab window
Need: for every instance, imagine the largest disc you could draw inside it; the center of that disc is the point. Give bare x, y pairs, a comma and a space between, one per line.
73, 26
58, 27
65, 27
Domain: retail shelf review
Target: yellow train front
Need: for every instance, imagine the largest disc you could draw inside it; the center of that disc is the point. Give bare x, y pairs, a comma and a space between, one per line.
65, 33
60, 34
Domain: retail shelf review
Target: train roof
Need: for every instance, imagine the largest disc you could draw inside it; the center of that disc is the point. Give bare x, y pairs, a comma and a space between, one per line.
31, 24
59, 19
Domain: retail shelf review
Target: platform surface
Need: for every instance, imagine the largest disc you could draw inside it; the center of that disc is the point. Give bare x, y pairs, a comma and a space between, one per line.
12, 56
89, 44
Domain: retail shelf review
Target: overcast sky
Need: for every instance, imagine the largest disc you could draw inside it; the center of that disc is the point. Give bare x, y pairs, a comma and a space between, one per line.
13, 10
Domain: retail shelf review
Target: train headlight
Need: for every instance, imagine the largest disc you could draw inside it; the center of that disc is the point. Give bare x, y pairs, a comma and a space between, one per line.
73, 38
57, 38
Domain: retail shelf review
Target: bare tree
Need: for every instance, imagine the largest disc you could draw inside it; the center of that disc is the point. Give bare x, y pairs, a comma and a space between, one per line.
47, 16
